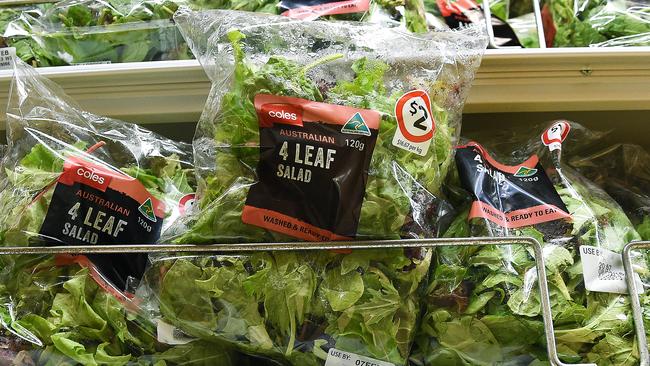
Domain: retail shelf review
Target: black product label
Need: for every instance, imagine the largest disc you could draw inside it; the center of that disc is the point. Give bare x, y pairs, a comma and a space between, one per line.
462, 12
509, 196
95, 205
313, 167
312, 9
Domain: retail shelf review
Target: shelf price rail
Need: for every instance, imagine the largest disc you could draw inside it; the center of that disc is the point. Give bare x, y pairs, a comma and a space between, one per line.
356, 245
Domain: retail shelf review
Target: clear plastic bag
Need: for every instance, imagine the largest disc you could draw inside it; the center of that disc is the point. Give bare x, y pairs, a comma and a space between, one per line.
326, 159
302, 308
490, 293
597, 23
73, 178
113, 31
511, 27
9, 13
54, 314
623, 171
96, 31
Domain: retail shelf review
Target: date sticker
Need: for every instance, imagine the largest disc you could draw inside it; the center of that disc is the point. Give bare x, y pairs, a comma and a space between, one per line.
603, 271
337, 357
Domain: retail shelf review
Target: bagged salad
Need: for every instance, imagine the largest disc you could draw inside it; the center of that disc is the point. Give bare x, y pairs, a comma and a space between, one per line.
324, 131
460, 13
73, 178
597, 23
623, 171
96, 31
302, 308
111, 31
483, 303
55, 314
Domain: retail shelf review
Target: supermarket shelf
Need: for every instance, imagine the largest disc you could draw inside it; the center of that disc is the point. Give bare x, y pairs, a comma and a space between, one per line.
530, 80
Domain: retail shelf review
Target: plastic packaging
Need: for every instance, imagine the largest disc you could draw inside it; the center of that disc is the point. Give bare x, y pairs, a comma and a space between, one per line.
483, 305
302, 308
299, 137
73, 178
55, 314
597, 23
112, 31
96, 31
460, 13
623, 171
8, 13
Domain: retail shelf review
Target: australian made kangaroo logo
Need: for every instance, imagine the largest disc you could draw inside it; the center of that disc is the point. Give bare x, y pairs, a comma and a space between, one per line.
524, 172
356, 126
147, 210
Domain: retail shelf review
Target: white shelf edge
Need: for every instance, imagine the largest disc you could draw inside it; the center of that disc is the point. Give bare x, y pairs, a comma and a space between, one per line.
509, 80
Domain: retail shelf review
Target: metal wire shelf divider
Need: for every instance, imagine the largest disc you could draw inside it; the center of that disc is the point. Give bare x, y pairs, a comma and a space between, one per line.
633, 288
383, 244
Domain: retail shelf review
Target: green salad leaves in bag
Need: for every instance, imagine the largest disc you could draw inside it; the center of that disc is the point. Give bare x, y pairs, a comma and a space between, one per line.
73, 178
483, 303
56, 314
597, 23
92, 31
111, 31
322, 130
623, 171
302, 308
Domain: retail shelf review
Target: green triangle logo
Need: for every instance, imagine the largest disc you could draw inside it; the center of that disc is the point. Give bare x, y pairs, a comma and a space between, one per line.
356, 126
524, 172
147, 210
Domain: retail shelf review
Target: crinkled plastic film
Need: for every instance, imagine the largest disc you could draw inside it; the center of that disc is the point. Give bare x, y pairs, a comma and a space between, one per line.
92, 31
294, 306
350, 65
598, 23
9, 13
622, 170
54, 314
481, 309
96, 31
73, 178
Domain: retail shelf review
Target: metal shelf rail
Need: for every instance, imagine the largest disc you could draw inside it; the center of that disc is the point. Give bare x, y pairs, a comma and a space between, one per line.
637, 312
357, 245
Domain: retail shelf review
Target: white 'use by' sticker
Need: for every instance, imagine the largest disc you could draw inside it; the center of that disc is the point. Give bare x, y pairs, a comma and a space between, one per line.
603, 271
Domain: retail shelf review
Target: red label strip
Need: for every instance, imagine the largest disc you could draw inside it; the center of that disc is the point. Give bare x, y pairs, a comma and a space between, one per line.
524, 217
275, 221
339, 7
78, 170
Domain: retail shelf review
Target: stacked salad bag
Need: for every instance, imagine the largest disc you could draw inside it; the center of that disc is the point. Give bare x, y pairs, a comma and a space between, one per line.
96, 31
109, 31
316, 131
299, 140
624, 172
483, 303
73, 178
596, 23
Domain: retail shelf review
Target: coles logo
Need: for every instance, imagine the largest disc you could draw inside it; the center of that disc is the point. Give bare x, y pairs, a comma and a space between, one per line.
287, 114
91, 177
